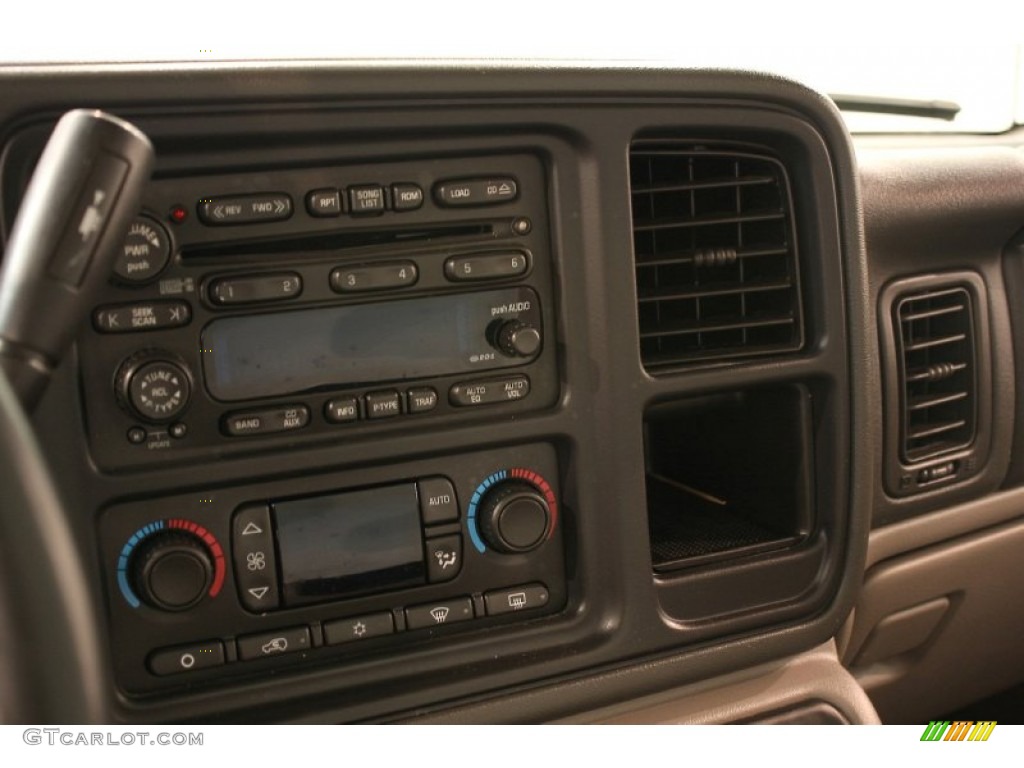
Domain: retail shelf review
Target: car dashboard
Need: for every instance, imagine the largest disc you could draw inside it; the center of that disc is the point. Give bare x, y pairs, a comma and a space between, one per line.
497, 393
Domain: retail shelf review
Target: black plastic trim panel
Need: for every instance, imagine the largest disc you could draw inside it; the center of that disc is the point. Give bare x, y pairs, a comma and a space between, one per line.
580, 122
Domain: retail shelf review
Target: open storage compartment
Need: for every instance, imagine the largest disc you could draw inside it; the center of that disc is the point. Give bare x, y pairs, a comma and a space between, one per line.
728, 475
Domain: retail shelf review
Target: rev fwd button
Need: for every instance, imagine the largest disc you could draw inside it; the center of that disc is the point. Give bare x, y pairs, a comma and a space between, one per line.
244, 209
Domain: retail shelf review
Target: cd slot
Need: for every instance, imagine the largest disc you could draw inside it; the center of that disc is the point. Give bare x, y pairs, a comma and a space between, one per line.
338, 241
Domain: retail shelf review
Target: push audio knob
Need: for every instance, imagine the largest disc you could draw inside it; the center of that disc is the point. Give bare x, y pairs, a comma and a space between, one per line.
154, 386
514, 517
172, 571
518, 339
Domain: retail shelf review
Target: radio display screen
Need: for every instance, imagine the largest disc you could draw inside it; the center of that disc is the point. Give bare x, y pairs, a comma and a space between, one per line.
349, 544
254, 356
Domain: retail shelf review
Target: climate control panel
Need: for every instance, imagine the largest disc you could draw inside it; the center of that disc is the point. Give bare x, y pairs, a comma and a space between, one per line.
207, 584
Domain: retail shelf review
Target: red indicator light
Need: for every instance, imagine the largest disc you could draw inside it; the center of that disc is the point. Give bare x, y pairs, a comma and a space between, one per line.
178, 214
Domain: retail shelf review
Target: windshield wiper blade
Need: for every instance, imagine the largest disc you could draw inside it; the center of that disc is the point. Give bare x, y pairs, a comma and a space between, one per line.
939, 110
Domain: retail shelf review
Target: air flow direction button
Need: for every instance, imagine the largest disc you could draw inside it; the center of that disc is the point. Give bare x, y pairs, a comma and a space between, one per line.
282, 641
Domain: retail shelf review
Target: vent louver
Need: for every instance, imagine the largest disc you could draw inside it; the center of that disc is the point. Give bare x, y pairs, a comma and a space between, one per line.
937, 371
715, 254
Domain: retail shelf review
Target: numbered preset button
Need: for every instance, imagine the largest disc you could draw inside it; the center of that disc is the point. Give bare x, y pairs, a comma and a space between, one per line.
486, 266
252, 289
374, 277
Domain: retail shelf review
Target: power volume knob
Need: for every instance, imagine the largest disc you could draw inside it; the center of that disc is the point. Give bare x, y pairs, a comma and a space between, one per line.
154, 387
518, 339
514, 517
172, 571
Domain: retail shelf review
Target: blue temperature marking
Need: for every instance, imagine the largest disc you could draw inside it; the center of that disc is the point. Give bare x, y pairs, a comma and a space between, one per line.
474, 502
126, 552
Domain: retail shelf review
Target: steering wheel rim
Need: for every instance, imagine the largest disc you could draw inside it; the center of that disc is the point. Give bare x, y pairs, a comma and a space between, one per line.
52, 664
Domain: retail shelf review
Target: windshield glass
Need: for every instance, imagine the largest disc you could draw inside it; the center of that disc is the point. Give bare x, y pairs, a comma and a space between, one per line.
984, 80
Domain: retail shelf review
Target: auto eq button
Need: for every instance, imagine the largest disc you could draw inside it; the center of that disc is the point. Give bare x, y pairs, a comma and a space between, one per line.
268, 644
244, 209
489, 391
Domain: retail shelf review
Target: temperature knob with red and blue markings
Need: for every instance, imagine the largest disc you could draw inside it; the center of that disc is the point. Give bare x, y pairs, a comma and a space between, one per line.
170, 565
512, 511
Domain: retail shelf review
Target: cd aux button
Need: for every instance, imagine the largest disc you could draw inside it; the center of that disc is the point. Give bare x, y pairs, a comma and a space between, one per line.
264, 422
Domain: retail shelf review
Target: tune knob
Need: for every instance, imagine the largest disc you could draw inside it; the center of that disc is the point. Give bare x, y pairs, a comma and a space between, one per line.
514, 517
172, 571
154, 386
518, 339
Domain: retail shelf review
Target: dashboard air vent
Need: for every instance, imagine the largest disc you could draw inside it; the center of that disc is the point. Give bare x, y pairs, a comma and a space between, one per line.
937, 372
715, 253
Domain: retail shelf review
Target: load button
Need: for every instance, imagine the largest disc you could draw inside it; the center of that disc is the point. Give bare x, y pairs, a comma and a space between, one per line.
489, 391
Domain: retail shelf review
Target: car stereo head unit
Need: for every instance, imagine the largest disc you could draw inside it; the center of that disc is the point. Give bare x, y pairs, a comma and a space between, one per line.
249, 311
